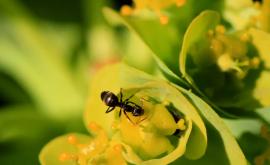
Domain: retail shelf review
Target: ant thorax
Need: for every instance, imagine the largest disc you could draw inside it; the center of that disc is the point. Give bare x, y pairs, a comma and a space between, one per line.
136, 108
137, 114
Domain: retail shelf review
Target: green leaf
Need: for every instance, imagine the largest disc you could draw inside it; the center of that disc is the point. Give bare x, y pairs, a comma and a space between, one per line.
23, 133
163, 41
40, 86
239, 126
252, 151
11, 91
17, 123
264, 115
232, 149
195, 33
161, 52
37, 63
215, 151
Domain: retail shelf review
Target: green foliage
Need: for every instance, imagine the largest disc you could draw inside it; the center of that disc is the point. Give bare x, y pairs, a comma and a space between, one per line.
22, 134
209, 63
36, 76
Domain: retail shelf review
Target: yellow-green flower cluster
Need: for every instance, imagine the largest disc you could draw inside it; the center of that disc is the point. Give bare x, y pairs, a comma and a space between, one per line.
158, 136
155, 5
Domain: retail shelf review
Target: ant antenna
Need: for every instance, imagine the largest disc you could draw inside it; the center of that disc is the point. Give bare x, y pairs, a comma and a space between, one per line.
141, 120
121, 96
120, 112
127, 99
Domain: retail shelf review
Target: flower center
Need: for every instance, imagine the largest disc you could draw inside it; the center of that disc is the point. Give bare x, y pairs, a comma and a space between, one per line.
231, 52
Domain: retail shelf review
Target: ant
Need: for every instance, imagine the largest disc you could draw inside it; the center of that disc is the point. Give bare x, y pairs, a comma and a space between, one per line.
111, 100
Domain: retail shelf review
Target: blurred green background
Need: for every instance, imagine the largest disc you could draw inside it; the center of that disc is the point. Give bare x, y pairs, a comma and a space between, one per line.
48, 52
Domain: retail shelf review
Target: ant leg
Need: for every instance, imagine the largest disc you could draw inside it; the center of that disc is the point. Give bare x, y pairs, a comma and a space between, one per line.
121, 94
129, 97
110, 109
141, 120
128, 117
126, 100
130, 102
120, 112
134, 104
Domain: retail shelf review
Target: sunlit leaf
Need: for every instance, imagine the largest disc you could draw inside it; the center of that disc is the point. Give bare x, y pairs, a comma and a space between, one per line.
232, 149
163, 46
196, 32
252, 151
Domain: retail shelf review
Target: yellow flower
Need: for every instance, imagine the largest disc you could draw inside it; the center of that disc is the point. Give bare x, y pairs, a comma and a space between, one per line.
155, 5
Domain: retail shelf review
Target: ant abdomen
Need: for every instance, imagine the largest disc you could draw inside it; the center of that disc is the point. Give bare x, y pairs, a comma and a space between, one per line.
138, 112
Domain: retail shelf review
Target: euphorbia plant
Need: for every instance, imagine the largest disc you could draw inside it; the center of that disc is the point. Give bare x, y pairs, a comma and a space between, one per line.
213, 70
226, 67
174, 128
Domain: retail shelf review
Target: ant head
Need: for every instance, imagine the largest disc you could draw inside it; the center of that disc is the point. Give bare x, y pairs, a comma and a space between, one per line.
109, 98
103, 94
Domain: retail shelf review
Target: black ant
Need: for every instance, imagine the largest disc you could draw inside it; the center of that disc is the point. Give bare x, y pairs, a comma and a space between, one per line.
111, 100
